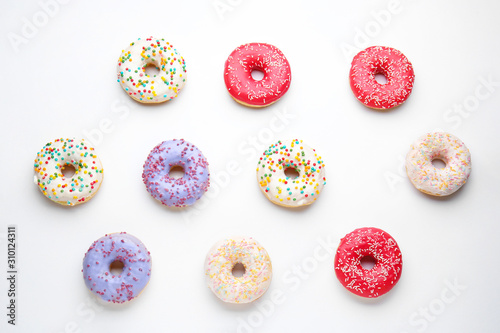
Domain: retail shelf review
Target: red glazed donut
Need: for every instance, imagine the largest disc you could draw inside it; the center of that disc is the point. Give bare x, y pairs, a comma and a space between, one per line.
368, 242
397, 70
265, 58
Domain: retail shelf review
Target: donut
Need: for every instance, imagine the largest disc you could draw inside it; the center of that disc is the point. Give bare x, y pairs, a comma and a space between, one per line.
397, 70
375, 244
222, 258
285, 190
54, 157
120, 248
141, 86
431, 180
262, 57
179, 192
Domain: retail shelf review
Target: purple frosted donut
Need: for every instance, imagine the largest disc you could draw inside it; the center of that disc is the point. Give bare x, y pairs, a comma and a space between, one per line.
125, 249
179, 192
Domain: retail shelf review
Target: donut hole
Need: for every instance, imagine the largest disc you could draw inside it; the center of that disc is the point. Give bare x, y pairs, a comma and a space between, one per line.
116, 267
439, 163
368, 262
68, 170
238, 270
176, 172
257, 74
151, 70
380, 78
292, 173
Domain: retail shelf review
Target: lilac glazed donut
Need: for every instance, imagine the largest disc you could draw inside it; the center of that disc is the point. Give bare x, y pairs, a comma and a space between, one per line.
106, 251
179, 192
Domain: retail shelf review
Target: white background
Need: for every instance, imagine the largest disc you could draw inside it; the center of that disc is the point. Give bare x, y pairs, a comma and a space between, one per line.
61, 82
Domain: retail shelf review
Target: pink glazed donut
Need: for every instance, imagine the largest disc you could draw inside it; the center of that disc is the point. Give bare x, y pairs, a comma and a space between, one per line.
382, 248
257, 56
397, 70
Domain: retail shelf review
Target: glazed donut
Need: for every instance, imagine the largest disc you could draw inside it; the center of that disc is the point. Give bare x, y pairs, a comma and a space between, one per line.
397, 70
431, 180
265, 58
287, 191
131, 253
222, 258
374, 243
141, 86
54, 157
179, 192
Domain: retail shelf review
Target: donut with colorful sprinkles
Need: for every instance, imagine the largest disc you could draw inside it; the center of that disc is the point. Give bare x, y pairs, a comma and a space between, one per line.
376, 245
155, 88
397, 70
432, 180
266, 58
168, 190
68, 190
220, 262
117, 251
291, 174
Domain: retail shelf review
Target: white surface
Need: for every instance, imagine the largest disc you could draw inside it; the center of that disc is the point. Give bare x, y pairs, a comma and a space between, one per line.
62, 83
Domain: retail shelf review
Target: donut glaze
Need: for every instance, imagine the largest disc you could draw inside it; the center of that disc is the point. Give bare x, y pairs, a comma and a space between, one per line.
377, 244
397, 70
265, 58
179, 192
52, 159
286, 191
143, 87
220, 261
136, 262
431, 180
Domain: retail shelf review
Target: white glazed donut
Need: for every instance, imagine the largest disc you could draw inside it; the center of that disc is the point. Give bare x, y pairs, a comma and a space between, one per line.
431, 180
54, 157
220, 261
138, 84
286, 191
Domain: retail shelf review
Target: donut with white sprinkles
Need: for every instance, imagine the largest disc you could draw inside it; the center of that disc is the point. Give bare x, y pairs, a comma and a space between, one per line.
375, 244
397, 70
266, 58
